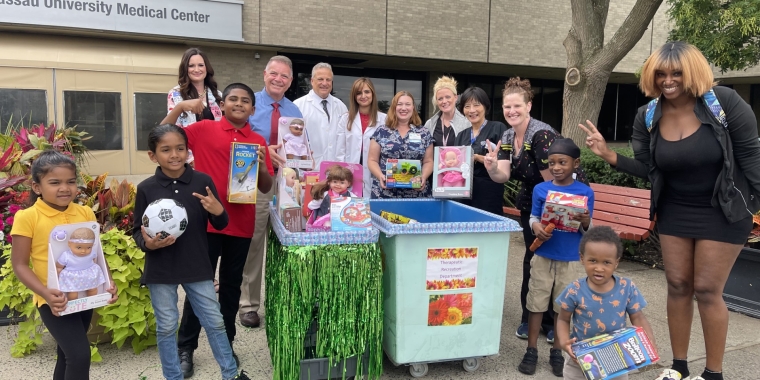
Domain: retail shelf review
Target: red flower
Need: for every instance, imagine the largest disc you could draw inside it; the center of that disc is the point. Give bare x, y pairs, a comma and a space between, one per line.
437, 312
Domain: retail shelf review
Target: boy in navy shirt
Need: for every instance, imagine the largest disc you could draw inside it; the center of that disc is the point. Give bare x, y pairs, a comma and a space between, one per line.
555, 264
598, 302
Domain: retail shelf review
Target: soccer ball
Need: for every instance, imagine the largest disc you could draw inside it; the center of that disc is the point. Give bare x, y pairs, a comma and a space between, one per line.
165, 217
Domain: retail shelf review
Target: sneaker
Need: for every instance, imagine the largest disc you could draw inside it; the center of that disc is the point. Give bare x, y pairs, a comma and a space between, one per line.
522, 331
556, 361
241, 376
550, 337
529, 361
669, 374
186, 363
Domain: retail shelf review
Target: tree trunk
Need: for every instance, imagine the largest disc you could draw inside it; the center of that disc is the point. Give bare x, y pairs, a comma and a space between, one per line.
590, 62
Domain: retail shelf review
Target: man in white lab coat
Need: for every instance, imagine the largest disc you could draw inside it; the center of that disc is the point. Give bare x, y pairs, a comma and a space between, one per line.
321, 112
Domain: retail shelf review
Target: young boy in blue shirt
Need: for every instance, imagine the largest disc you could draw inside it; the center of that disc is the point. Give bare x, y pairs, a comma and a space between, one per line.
555, 264
598, 303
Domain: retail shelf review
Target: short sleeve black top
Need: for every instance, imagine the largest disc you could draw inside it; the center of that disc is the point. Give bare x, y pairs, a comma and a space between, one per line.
444, 136
187, 259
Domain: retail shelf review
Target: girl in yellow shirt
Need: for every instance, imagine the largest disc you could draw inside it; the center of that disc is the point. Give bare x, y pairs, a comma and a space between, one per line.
54, 186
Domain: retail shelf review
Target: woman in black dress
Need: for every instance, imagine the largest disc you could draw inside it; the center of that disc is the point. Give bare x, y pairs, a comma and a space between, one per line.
482, 134
705, 174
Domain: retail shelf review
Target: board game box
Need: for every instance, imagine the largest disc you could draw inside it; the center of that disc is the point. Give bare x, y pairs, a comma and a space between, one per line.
403, 174
244, 173
610, 355
560, 206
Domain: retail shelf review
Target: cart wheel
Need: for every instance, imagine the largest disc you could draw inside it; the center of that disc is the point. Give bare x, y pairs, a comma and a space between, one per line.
418, 370
471, 364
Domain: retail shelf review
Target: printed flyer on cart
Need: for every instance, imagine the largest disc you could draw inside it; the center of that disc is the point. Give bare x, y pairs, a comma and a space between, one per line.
451, 268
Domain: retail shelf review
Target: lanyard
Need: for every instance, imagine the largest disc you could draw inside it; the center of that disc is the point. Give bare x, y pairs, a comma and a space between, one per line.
444, 134
472, 132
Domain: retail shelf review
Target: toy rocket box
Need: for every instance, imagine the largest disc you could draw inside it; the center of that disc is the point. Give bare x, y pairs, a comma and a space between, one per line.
403, 174
350, 214
242, 185
294, 140
452, 172
610, 355
560, 206
356, 170
61, 244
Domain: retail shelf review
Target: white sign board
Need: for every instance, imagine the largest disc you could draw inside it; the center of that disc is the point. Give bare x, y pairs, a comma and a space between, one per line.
206, 19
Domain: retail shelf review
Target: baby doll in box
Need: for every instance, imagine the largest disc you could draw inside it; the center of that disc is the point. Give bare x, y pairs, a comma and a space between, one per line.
339, 180
294, 141
77, 267
450, 158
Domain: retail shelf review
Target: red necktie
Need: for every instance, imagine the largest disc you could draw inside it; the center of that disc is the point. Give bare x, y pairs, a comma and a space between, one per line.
275, 121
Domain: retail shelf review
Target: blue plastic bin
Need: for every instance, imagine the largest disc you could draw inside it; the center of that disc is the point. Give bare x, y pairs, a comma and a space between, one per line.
412, 329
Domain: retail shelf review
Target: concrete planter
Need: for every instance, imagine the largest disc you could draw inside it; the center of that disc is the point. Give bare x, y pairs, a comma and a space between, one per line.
742, 291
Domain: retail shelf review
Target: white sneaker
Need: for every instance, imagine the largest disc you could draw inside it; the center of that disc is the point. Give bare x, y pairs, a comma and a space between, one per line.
670, 374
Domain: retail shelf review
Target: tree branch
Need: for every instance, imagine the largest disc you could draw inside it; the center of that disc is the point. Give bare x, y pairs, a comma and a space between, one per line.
628, 34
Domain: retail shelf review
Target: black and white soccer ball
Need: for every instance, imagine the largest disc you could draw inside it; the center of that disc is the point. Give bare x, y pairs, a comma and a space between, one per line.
165, 217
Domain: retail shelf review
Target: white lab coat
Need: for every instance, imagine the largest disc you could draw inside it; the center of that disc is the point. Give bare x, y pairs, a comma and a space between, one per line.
322, 133
352, 145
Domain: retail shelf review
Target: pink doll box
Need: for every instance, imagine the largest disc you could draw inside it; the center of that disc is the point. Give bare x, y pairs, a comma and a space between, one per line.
452, 172
560, 206
289, 197
356, 170
57, 245
350, 214
295, 143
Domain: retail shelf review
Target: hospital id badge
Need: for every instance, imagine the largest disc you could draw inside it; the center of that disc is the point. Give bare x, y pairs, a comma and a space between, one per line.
415, 137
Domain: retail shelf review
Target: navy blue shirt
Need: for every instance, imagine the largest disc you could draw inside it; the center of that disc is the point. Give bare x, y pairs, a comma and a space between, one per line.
187, 259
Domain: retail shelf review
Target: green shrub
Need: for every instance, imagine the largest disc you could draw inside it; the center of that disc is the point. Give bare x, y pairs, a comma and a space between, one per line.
599, 171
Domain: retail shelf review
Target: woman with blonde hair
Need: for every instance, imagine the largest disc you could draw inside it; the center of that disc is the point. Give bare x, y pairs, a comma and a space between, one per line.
356, 127
448, 121
704, 166
402, 137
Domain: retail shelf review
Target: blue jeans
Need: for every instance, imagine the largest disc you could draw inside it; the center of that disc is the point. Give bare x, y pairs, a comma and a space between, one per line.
202, 297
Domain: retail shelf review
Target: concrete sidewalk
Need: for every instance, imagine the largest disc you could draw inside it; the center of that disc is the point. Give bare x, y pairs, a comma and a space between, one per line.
742, 361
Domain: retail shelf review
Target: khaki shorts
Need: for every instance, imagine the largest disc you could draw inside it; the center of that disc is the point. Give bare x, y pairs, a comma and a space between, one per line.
548, 278
572, 371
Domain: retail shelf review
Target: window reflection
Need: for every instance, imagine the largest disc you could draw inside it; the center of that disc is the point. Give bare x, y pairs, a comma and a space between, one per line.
150, 109
97, 113
22, 107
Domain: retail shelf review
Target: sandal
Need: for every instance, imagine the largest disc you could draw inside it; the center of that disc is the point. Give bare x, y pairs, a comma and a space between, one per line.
216, 285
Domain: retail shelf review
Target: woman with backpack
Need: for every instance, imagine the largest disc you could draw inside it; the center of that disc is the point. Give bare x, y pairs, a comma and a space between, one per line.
697, 143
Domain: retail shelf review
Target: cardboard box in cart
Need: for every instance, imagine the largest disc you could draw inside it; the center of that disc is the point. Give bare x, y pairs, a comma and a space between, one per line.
444, 281
57, 244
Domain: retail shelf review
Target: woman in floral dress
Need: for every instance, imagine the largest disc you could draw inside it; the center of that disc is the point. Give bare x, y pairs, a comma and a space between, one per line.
402, 137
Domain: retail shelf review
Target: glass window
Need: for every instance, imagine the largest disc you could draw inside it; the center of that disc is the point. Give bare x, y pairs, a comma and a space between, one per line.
150, 109
25, 107
97, 113
607, 114
342, 88
415, 88
552, 107
385, 92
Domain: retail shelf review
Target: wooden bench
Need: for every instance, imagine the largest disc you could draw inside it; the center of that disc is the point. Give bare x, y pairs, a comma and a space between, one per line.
624, 209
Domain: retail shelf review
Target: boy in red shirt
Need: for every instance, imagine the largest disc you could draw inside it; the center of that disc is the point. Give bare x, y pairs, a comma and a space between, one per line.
211, 142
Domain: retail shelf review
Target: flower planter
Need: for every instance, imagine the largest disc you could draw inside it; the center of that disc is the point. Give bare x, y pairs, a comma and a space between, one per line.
742, 291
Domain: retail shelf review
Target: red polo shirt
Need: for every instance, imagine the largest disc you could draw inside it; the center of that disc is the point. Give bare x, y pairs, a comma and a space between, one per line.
211, 142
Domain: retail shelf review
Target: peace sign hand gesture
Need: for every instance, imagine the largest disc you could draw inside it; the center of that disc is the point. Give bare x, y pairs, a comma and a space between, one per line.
490, 160
595, 142
210, 203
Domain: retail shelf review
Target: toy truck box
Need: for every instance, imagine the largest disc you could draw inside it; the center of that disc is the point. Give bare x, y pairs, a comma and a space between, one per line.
403, 174
560, 206
610, 355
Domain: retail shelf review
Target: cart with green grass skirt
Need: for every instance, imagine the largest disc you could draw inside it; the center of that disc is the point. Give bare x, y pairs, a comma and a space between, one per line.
444, 280
324, 305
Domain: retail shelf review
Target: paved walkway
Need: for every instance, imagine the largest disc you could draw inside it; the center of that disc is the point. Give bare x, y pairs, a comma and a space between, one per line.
742, 360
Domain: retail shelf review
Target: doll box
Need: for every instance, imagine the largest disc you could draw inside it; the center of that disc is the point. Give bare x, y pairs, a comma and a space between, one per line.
356, 169
242, 185
288, 195
294, 143
455, 180
610, 355
309, 179
403, 174
292, 219
57, 245
560, 206
350, 214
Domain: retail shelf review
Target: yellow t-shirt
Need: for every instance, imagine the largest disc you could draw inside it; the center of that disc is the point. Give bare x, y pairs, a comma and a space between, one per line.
36, 223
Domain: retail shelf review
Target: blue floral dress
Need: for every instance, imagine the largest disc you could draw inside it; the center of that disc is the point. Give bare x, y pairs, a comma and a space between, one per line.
392, 145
